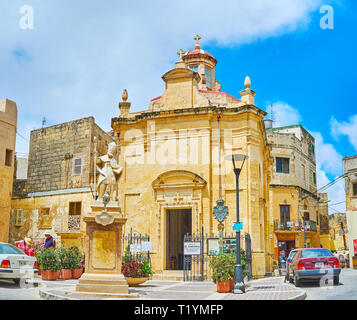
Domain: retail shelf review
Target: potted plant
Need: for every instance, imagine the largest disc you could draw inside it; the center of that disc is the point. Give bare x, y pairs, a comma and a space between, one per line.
136, 273
77, 264
223, 268
50, 264
66, 263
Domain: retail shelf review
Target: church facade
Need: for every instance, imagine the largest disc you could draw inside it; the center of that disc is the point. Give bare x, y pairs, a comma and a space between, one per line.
174, 161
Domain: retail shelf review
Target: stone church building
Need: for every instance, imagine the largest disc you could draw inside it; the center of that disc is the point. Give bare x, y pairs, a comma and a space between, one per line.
175, 168
173, 154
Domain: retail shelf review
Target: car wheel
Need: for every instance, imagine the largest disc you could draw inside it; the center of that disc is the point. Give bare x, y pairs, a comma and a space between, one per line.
17, 281
291, 280
296, 281
336, 280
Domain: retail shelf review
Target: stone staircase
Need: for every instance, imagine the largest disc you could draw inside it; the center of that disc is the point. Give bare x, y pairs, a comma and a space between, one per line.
169, 275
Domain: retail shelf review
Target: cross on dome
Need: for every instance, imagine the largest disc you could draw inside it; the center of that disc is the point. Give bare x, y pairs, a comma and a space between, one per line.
197, 46
181, 53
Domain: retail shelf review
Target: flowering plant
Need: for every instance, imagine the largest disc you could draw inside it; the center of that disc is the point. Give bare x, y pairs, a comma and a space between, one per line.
136, 269
38, 247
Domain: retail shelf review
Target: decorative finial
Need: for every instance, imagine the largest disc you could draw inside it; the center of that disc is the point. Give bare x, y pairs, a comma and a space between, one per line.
247, 82
125, 95
197, 46
181, 53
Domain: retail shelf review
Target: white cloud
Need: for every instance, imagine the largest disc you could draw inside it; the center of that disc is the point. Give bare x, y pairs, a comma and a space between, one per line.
329, 163
82, 54
284, 114
345, 128
327, 157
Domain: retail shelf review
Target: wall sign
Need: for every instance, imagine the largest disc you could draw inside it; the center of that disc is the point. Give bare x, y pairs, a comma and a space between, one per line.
192, 248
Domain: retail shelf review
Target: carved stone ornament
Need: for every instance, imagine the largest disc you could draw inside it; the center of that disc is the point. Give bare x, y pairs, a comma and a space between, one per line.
104, 218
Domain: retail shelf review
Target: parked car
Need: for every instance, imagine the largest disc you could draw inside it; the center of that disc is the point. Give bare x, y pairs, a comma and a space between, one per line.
311, 264
15, 264
288, 262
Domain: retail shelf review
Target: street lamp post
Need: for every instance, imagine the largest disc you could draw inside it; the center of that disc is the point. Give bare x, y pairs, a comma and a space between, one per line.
238, 162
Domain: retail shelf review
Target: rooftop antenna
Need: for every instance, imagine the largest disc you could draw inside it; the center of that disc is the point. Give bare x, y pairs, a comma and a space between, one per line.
272, 114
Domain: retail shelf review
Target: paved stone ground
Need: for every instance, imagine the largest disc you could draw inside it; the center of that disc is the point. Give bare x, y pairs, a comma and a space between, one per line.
264, 289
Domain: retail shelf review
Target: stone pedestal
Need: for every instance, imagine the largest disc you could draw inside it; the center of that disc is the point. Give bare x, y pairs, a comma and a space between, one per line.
104, 253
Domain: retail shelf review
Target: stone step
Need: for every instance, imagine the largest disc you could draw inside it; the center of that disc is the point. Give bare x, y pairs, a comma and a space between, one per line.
102, 288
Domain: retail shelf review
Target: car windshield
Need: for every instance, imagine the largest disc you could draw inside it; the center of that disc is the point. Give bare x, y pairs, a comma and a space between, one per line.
316, 253
9, 249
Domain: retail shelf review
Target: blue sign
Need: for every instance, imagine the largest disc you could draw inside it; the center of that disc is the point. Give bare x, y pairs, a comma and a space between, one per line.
220, 211
238, 226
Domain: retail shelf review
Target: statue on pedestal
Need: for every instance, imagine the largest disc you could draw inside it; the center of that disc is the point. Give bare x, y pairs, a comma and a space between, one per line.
110, 172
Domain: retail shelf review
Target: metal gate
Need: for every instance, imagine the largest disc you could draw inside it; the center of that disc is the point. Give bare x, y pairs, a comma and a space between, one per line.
198, 253
133, 247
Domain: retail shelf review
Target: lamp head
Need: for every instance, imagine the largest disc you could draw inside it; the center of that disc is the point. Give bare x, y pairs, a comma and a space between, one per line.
238, 160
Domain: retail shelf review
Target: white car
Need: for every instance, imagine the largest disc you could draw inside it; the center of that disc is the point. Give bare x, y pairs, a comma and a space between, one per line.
15, 265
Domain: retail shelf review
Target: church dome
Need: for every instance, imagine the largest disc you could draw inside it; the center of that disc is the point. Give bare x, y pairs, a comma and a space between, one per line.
198, 51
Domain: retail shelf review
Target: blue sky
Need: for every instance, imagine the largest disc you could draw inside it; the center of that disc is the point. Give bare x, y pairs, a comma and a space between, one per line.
80, 55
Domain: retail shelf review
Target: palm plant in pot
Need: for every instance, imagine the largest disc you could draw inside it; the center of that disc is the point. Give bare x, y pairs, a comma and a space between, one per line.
66, 263
223, 269
50, 264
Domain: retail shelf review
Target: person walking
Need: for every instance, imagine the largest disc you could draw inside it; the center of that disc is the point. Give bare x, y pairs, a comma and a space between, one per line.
26, 246
49, 241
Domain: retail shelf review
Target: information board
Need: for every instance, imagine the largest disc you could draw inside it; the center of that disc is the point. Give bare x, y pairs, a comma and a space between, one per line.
192, 248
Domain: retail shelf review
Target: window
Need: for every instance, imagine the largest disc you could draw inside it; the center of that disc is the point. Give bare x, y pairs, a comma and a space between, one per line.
306, 216
75, 208
354, 189
8, 158
314, 177
44, 221
74, 215
284, 213
208, 73
77, 167
193, 68
9, 249
282, 165
316, 253
19, 217
313, 149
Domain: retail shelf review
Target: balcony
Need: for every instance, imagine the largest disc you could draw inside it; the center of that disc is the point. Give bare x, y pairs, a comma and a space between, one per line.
74, 222
294, 225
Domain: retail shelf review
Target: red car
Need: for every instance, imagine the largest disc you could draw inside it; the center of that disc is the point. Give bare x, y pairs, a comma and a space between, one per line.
311, 264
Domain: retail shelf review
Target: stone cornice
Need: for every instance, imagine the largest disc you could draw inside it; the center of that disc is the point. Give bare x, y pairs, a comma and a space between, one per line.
187, 111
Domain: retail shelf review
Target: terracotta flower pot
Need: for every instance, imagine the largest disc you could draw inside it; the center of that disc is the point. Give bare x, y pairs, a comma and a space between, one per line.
49, 275
77, 273
224, 286
232, 284
134, 282
65, 274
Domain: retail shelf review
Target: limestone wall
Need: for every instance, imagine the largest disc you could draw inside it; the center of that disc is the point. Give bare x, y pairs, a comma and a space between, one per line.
350, 169
8, 124
57, 221
296, 144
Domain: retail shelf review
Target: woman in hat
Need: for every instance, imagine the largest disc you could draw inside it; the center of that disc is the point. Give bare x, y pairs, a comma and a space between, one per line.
25, 246
49, 242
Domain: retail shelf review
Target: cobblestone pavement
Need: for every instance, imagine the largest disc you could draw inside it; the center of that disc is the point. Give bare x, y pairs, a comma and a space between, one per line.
263, 289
